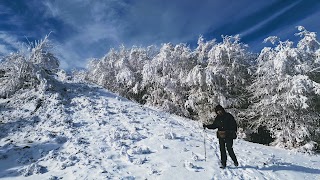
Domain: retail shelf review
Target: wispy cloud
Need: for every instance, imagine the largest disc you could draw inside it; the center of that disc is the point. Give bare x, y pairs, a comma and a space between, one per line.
8, 43
94, 27
105, 24
4, 50
272, 17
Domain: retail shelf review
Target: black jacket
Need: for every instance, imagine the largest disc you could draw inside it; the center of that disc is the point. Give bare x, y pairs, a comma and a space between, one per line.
226, 123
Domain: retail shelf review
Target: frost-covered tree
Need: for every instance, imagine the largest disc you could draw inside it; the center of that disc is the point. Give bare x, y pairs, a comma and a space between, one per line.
176, 78
42, 56
221, 75
309, 42
31, 70
16, 73
162, 77
285, 99
203, 49
121, 70
228, 72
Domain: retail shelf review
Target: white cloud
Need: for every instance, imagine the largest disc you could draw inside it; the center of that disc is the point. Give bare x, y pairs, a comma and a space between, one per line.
4, 50
92, 22
8, 44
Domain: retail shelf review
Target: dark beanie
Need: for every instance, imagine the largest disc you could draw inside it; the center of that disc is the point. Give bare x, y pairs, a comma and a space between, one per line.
218, 107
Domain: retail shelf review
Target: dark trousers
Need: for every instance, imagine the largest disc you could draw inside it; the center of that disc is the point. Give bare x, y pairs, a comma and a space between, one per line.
223, 144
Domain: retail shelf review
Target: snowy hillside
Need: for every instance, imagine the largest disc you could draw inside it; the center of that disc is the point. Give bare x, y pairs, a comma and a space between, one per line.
85, 132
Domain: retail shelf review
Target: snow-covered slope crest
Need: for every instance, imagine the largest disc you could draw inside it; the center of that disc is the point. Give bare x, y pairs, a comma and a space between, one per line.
79, 131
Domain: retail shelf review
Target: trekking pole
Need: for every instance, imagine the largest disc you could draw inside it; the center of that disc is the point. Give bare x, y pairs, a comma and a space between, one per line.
204, 144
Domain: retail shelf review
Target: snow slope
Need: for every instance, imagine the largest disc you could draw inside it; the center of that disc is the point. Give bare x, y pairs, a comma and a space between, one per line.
85, 132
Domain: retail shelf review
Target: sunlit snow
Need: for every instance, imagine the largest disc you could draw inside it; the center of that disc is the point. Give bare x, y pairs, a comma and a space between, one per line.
85, 132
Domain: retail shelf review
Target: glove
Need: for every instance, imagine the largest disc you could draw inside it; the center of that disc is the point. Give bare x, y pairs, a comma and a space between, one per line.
204, 126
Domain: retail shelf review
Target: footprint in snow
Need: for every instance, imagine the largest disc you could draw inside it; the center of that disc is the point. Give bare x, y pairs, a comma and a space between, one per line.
191, 167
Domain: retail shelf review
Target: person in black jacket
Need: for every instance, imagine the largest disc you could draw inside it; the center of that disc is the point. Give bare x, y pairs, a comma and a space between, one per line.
227, 131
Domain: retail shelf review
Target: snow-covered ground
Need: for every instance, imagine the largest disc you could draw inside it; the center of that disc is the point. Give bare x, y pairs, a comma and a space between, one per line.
85, 132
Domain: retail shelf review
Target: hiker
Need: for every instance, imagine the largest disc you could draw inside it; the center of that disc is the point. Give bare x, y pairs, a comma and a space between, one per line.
227, 131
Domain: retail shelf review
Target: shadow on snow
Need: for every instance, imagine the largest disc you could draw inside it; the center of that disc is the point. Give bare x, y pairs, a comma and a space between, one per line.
15, 160
285, 167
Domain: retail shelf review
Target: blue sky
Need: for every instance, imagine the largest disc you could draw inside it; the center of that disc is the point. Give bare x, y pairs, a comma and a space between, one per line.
81, 29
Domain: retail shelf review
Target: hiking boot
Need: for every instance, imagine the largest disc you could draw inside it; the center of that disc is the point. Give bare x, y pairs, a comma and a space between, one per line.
223, 165
236, 164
